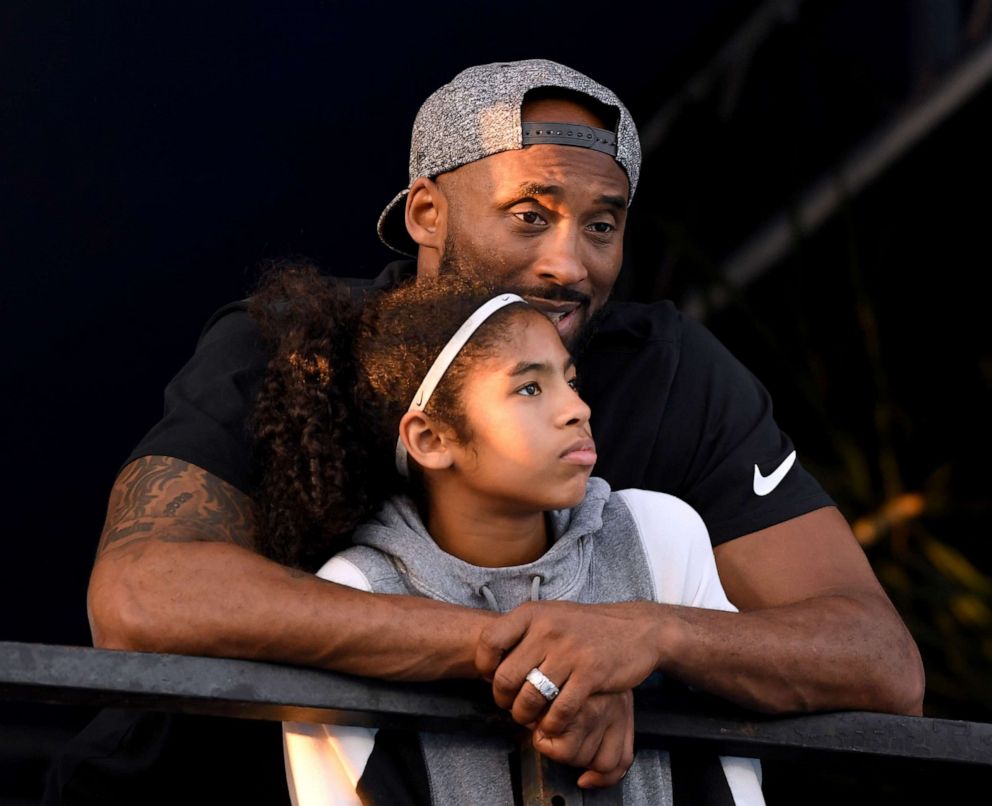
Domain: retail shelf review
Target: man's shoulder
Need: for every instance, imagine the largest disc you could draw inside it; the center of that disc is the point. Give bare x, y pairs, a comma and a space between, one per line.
638, 321
396, 272
233, 318
653, 332
660, 331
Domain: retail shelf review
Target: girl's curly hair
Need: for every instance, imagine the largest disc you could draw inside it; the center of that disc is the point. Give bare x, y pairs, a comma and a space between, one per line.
341, 375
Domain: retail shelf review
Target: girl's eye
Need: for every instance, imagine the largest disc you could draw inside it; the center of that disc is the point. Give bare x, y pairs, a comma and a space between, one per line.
574, 383
530, 390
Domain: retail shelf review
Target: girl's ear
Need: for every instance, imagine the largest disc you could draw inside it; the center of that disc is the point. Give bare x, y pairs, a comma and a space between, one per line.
426, 444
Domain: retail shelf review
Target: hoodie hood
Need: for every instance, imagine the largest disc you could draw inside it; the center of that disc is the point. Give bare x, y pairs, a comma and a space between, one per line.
427, 570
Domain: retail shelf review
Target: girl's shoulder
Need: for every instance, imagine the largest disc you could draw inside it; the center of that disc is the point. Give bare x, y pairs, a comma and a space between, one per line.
364, 568
660, 513
676, 548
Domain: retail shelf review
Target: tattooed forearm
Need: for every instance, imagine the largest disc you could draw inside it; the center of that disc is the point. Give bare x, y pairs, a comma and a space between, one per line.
161, 498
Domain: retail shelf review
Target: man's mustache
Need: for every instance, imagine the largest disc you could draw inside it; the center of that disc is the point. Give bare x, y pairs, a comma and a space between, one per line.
553, 293
453, 263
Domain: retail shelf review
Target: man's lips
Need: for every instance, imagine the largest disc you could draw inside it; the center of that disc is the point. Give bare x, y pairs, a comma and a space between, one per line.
561, 314
580, 452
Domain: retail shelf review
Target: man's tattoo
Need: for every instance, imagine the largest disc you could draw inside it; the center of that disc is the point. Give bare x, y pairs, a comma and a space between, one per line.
175, 503
146, 501
113, 535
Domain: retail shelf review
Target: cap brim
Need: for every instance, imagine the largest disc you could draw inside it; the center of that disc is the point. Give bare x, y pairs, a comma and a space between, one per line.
392, 227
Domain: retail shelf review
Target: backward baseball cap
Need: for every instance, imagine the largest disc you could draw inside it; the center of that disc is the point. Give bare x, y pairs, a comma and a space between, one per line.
477, 114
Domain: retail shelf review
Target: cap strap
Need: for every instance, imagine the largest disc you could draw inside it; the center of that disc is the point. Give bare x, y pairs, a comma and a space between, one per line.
444, 359
569, 134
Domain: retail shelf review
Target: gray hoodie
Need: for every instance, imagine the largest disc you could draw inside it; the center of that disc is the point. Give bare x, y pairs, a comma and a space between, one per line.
612, 547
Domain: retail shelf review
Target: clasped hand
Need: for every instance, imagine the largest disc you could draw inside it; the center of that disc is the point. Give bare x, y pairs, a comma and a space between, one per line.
595, 654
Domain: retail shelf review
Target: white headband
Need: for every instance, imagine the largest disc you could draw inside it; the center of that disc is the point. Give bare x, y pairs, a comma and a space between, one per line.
443, 361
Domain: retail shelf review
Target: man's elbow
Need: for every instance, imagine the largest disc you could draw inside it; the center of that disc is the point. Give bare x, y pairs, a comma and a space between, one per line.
907, 684
899, 683
118, 617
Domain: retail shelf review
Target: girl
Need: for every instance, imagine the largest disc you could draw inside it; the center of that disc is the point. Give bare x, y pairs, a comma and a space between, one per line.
440, 423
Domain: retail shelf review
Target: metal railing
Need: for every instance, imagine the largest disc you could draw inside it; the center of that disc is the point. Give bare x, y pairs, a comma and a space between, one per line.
252, 690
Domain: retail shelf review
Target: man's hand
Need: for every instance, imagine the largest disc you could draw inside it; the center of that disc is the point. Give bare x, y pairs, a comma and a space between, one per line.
600, 739
583, 649
815, 632
593, 731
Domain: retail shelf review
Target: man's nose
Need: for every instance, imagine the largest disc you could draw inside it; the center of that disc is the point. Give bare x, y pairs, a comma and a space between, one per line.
560, 262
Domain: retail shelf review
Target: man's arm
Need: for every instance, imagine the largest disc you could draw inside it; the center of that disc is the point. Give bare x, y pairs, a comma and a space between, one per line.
176, 572
840, 644
816, 632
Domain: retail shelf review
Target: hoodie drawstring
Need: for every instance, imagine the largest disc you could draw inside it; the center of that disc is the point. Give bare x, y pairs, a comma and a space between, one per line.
490, 599
535, 592
535, 588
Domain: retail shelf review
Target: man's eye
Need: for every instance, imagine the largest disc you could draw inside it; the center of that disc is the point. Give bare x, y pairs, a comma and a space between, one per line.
530, 217
530, 390
602, 227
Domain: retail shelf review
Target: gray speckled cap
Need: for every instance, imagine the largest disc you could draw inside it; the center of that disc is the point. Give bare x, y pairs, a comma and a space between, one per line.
477, 115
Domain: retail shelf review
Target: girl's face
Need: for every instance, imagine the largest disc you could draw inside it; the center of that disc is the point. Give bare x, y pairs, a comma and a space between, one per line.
531, 446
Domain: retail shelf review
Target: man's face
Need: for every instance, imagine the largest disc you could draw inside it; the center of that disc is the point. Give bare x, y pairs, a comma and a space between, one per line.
548, 219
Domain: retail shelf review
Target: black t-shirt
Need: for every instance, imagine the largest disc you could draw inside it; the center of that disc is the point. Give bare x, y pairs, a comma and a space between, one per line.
672, 411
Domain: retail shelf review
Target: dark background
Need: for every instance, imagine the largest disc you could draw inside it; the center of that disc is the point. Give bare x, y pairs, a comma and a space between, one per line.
153, 155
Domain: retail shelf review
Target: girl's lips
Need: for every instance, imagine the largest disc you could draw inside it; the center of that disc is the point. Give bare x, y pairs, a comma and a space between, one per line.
582, 452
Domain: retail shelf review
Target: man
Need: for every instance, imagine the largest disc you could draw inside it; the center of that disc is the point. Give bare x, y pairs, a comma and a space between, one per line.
527, 167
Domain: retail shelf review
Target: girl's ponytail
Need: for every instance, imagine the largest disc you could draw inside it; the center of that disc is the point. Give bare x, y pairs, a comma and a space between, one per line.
340, 378
310, 442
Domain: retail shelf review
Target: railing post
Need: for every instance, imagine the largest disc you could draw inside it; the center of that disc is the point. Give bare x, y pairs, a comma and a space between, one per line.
545, 783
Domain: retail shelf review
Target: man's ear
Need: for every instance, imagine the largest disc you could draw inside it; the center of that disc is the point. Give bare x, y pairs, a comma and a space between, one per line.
427, 222
425, 443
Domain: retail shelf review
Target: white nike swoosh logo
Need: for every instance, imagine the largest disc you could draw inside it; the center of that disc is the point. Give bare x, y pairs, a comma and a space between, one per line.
765, 484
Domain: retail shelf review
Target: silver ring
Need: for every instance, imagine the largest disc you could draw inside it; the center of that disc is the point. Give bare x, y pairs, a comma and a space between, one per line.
540, 681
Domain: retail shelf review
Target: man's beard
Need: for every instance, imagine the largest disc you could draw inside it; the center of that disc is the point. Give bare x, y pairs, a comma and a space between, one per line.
580, 341
453, 261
